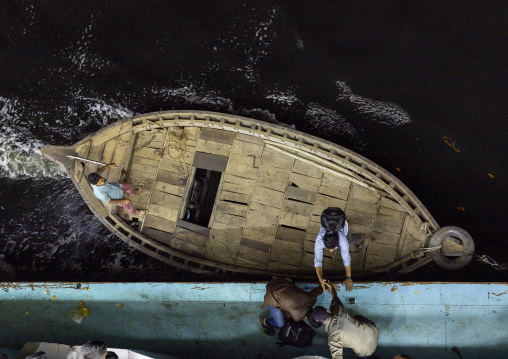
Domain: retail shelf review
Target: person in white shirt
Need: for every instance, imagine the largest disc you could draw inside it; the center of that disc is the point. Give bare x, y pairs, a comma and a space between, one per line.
334, 234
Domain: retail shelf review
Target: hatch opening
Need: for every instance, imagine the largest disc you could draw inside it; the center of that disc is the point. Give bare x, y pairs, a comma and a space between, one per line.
203, 192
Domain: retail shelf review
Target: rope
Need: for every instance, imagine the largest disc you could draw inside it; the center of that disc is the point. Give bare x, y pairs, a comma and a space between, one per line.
173, 142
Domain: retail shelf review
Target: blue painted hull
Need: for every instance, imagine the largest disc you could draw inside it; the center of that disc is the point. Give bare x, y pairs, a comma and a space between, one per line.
220, 320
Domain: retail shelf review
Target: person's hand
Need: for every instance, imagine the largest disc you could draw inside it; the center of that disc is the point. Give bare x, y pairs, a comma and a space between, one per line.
126, 201
323, 284
111, 165
348, 283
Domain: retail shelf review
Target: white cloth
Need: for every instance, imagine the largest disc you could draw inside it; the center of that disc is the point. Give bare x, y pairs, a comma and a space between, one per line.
343, 244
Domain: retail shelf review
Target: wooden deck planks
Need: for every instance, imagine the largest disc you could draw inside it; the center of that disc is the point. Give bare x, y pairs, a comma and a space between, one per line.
276, 159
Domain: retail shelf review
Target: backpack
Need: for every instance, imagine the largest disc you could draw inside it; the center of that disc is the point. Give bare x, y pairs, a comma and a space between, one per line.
333, 219
298, 334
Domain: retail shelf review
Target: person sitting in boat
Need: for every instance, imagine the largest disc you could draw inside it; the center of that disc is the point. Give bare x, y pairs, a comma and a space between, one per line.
334, 234
284, 299
112, 192
358, 333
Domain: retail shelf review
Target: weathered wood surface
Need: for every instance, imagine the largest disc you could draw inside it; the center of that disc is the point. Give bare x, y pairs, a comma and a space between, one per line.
267, 213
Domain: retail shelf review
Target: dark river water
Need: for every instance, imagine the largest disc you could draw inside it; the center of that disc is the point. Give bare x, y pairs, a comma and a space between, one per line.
418, 87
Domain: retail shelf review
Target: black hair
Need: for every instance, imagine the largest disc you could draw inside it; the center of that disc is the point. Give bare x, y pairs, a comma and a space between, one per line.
92, 350
38, 355
331, 240
333, 219
93, 178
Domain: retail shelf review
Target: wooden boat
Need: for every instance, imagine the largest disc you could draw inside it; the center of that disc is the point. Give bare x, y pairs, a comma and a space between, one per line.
227, 194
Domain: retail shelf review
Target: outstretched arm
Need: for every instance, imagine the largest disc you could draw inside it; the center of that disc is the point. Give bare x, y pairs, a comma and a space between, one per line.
111, 165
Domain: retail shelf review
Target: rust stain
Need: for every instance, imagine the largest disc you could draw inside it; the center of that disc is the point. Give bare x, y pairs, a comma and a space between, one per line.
362, 286
394, 289
398, 169
123, 306
451, 143
491, 175
461, 209
200, 288
500, 294
54, 297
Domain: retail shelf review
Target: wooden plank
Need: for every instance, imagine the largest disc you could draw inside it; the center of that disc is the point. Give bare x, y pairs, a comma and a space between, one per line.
364, 194
271, 184
237, 188
293, 220
391, 212
107, 155
385, 238
95, 154
215, 135
81, 151
163, 212
226, 235
334, 190
339, 181
359, 228
290, 235
386, 228
260, 246
106, 135
221, 251
389, 203
310, 183
232, 230
307, 169
190, 236
191, 132
290, 245
262, 217
145, 170
152, 139
147, 152
284, 255
326, 201
267, 196
304, 209
389, 220
166, 200
145, 161
159, 223
383, 250
410, 244
366, 219
160, 236
276, 159
230, 219
374, 261
413, 229
176, 179
213, 148
169, 188
313, 227
246, 182
234, 197
250, 138
247, 148
186, 247
361, 206
210, 161
171, 165
266, 209
273, 173
242, 171
276, 266
300, 194
253, 234
124, 164
236, 209
261, 227
193, 227
253, 255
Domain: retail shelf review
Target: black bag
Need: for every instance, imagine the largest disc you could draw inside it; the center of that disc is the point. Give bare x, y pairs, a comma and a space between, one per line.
333, 219
298, 334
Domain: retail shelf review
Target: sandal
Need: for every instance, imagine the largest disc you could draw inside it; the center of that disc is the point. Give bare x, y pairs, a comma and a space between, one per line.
266, 329
358, 246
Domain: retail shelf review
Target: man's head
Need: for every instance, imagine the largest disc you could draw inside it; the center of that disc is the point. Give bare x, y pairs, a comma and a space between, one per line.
95, 179
318, 317
37, 355
93, 350
331, 240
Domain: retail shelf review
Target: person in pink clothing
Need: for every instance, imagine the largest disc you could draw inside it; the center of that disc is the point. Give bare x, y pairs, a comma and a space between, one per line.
112, 192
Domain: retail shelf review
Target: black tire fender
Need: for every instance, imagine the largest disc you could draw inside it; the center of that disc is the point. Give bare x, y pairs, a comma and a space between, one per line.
456, 232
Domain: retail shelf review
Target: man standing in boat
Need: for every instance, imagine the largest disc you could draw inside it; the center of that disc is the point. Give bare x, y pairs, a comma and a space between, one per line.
334, 234
112, 192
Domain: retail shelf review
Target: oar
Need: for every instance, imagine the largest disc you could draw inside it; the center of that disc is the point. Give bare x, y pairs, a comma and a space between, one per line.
87, 160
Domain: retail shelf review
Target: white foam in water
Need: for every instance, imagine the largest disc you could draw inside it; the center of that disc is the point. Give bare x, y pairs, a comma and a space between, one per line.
21, 159
386, 113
